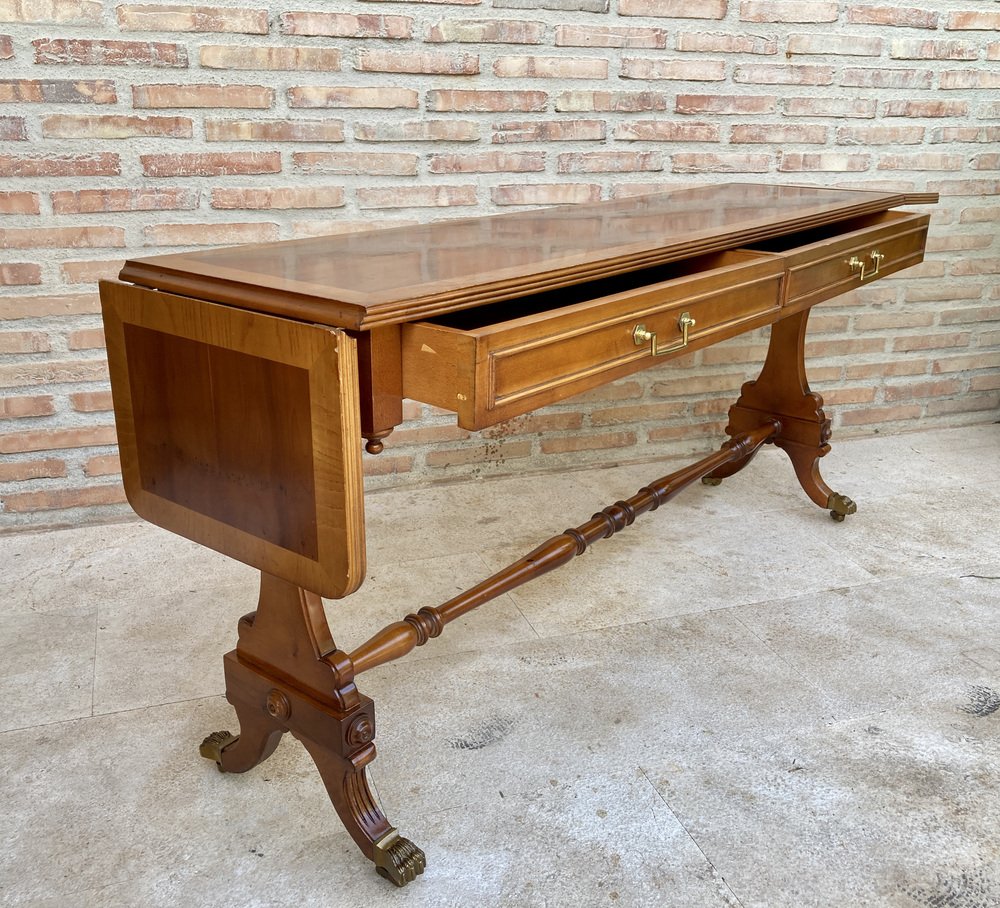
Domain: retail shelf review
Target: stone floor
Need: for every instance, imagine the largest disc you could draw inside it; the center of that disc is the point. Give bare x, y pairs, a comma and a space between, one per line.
736, 702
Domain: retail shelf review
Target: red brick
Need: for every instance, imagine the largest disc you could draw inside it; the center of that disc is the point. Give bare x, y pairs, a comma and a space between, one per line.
952, 79
976, 266
964, 187
24, 342
849, 45
830, 107
19, 202
493, 452
427, 434
859, 77
707, 42
683, 70
26, 407
578, 442
926, 109
90, 271
203, 95
788, 11
301, 197
920, 49
989, 111
901, 16
929, 342
778, 134
485, 100
924, 161
58, 91
416, 196
102, 465
56, 439
666, 131
879, 371
709, 162
698, 431
637, 413
13, 129
100, 164
14, 307
71, 126
917, 390
971, 315
346, 96
418, 131
966, 403
61, 499
86, 339
208, 164
726, 104
61, 237
607, 36
974, 20
958, 242
880, 321
487, 162
91, 401
984, 360
384, 465
984, 382
88, 201
783, 74
6, 47
109, 53
609, 162
353, 162
545, 194
235, 56
611, 101
171, 18
980, 215
418, 62
21, 471
574, 130
274, 130
701, 384
486, 31
674, 9
532, 67
880, 135
871, 415
64, 12
209, 234
346, 25
19, 274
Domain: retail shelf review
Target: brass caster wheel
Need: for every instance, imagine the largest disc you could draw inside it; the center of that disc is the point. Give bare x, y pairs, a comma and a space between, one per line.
840, 506
710, 481
397, 859
212, 747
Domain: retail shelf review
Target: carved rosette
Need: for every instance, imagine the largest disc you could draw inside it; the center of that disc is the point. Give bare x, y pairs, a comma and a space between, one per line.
361, 731
277, 705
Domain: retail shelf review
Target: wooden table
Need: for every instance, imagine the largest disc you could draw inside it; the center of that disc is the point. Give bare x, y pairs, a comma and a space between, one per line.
245, 379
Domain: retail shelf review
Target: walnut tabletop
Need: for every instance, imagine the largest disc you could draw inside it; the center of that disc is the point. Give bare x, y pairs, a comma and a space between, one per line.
388, 276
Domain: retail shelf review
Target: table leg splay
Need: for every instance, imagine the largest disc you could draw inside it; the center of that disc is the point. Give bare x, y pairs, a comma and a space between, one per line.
781, 392
286, 673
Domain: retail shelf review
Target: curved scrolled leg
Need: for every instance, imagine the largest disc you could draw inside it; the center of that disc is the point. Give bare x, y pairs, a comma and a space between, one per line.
256, 741
805, 462
396, 859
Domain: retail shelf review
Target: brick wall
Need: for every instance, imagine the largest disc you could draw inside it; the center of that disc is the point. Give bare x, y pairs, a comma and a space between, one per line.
135, 128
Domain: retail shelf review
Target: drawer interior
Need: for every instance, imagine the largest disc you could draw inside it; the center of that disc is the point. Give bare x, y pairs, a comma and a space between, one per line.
832, 231
575, 294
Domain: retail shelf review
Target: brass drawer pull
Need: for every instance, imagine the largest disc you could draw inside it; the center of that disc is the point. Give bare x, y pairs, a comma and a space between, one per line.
641, 336
860, 265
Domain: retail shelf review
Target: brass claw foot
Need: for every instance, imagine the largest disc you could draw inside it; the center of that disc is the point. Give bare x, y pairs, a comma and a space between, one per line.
398, 859
212, 747
710, 481
840, 506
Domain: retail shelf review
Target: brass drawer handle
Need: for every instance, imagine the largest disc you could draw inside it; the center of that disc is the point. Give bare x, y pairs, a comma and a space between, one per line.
641, 336
860, 265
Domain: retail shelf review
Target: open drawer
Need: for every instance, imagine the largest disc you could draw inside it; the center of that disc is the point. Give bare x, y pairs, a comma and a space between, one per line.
836, 258
504, 359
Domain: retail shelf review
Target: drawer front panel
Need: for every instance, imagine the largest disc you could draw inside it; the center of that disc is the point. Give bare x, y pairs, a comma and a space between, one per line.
566, 357
820, 271
492, 372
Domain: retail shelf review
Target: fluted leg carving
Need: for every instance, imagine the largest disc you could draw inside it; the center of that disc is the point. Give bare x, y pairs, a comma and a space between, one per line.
286, 675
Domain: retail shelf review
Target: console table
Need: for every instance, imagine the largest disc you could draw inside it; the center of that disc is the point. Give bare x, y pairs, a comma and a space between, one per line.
245, 380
